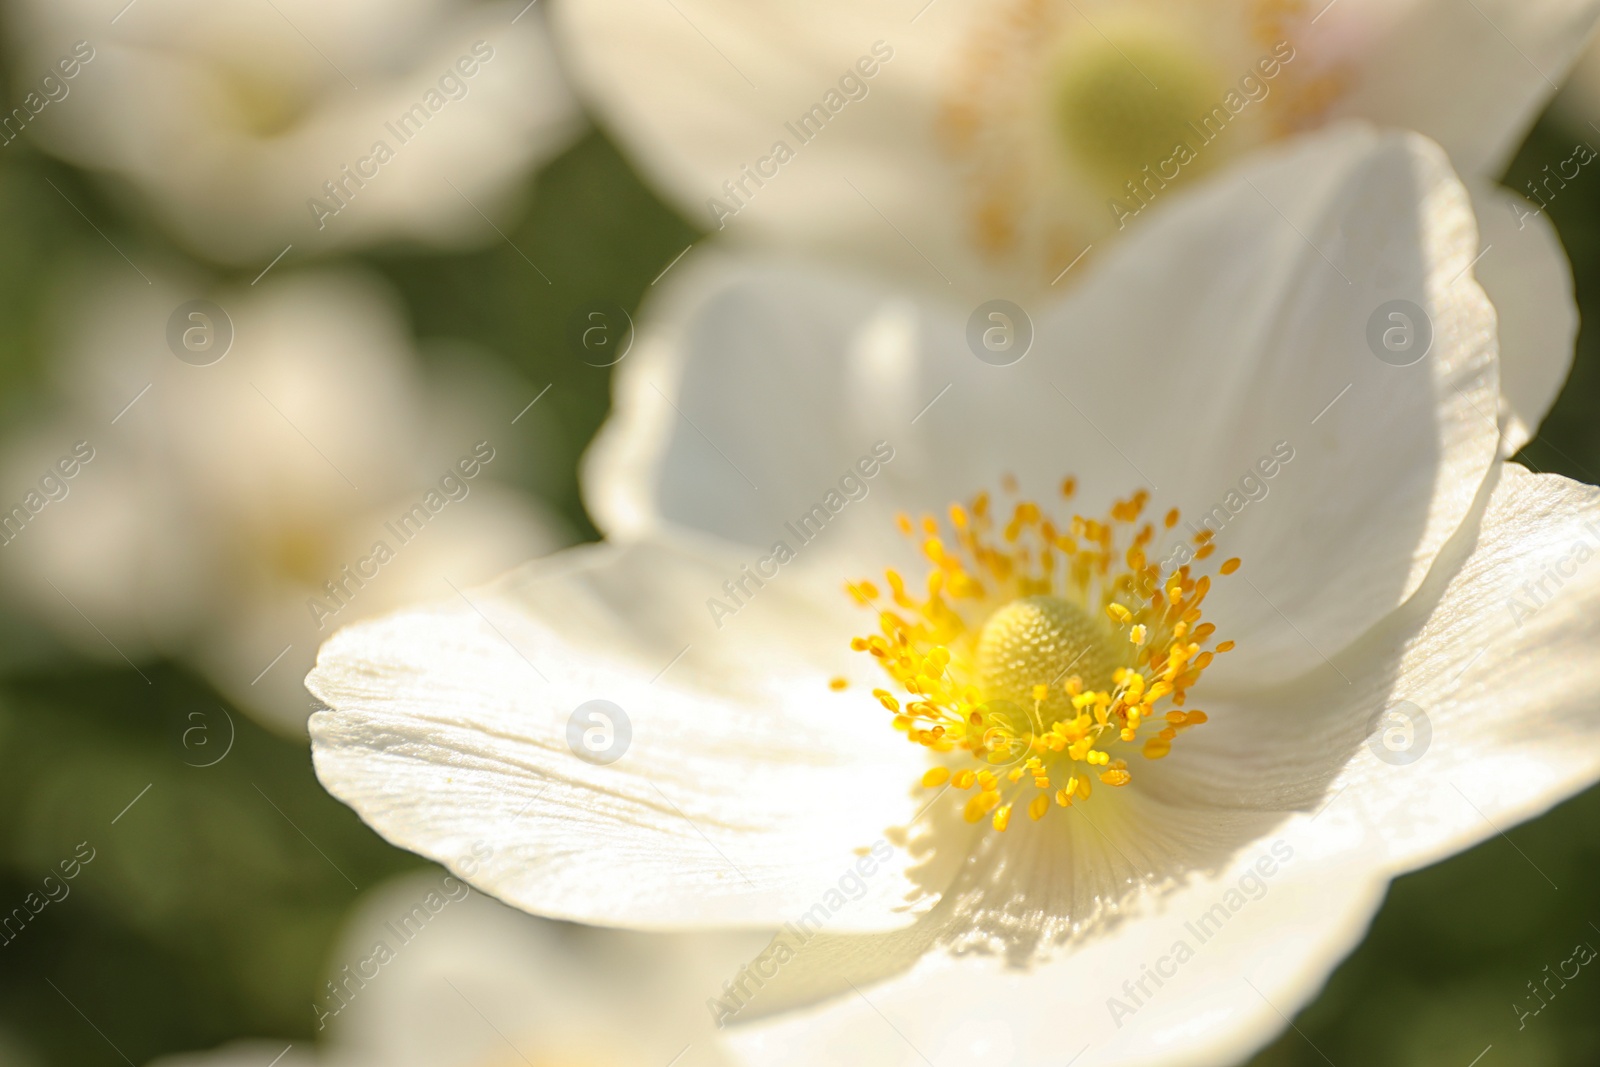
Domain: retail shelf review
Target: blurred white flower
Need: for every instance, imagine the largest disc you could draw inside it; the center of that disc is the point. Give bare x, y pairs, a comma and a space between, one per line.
1112, 880
238, 510
403, 120
1003, 139
462, 981
985, 149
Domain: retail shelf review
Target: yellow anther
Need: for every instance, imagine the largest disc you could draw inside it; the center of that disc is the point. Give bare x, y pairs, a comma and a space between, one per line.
935, 777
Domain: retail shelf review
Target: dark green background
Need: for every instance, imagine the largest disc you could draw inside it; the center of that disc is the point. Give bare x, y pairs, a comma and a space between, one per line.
206, 915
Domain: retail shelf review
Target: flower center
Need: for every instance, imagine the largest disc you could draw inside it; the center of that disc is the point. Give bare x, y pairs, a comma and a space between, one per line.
1040, 652
1035, 641
1053, 110
261, 104
1122, 105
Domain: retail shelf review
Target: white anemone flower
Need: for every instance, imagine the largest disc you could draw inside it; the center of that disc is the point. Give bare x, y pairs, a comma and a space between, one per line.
462, 981
997, 815
409, 120
1003, 139
229, 507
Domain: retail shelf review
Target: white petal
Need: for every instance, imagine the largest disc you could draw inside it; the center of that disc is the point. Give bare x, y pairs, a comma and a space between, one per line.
555, 994
1526, 274
700, 91
1473, 76
748, 787
1242, 966
1513, 627
1231, 330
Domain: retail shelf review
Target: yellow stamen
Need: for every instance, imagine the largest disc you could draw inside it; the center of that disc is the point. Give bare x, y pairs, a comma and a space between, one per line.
1042, 651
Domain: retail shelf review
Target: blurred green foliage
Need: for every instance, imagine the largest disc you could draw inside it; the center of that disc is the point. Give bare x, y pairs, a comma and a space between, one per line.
210, 906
